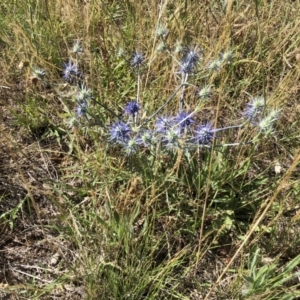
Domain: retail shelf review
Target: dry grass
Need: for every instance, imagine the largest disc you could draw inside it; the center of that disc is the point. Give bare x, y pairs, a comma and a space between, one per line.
79, 220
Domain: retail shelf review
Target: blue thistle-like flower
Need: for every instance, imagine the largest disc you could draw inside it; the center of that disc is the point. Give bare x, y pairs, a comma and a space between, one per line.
186, 67
137, 59
254, 108
119, 132
184, 120
191, 55
189, 61
204, 134
81, 109
164, 123
132, 108
71, 71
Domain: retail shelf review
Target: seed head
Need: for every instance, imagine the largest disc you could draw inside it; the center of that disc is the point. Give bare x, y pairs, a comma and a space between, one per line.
161, 46
162, 31
205, 92
266, 124
214, 65
178, 47
83, 93
145, 138
121, 52
39, 73
171, 138
131, 145
227, 56
76, 48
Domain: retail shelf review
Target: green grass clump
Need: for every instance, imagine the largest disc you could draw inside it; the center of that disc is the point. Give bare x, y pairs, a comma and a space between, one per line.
219, 223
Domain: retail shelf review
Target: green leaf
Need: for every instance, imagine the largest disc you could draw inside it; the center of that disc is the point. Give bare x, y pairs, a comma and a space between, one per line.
249, 279
116, 217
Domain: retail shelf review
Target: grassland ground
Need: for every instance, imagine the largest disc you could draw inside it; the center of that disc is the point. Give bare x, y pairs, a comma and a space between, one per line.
82, 218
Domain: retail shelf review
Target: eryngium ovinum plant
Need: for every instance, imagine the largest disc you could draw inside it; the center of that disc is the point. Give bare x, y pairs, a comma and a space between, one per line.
182, 130
135, 132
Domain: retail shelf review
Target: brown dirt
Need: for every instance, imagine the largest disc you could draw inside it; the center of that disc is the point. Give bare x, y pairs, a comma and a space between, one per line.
33, 253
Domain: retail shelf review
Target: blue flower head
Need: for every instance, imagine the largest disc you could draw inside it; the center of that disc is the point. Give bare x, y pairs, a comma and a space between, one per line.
81, 108
132, 108
71, 71
119, 132
191, 55
184, 120
204, 134
137, 59
254, 108
186, 67
164, 123
189, 61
